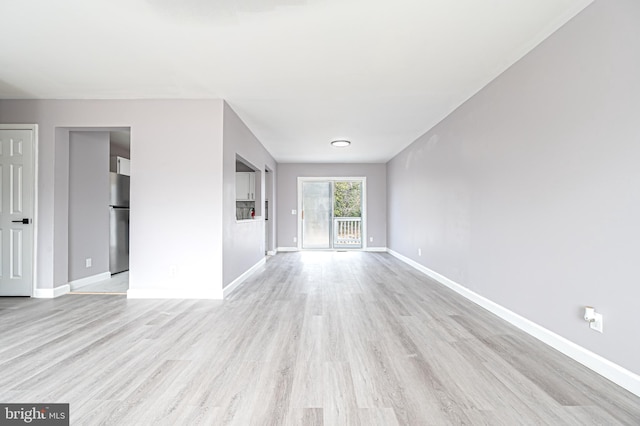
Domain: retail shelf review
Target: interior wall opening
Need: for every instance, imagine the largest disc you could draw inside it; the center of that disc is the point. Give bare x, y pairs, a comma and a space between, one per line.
268, 211
249, 197
96, 179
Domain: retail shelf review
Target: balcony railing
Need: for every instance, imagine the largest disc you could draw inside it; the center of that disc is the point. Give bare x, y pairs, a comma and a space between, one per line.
347, 232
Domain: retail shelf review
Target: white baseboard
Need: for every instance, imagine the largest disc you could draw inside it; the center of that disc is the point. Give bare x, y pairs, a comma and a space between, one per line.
82, 282
289, 249
51, 293
617, 374
235, 283
165, 293
284, 249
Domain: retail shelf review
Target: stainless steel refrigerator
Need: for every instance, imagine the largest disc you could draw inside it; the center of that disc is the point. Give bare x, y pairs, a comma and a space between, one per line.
119, 223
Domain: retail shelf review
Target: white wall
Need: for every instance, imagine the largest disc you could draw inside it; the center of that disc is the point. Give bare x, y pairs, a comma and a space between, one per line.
176, 188
244, 241
528, 193
88, 203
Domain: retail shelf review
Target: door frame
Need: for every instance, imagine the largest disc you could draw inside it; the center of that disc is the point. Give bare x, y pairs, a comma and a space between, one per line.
34, 234
362, 179
268, 211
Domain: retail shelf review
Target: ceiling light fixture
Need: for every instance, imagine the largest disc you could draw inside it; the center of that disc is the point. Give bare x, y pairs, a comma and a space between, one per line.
341, 143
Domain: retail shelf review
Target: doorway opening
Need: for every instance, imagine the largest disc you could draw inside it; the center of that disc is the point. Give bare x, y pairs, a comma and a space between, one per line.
268, 212
98, 182
332, 213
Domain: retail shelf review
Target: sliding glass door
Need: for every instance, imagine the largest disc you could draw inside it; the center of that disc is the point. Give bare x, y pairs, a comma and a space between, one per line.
331, 213
316, 214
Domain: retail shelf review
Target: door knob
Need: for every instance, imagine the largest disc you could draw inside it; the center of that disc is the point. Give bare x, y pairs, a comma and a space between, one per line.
23, 221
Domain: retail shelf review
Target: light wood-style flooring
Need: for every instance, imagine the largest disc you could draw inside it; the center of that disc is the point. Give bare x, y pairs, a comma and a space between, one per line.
117, 284
313, 338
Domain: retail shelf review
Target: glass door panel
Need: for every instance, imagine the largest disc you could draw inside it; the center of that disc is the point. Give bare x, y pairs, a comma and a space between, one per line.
347, 214
317, 215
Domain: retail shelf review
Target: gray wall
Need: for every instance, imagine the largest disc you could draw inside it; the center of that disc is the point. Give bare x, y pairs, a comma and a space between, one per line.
176, 147
287, 197
88, 203
59, 188
528, 193
244, 241
120, 144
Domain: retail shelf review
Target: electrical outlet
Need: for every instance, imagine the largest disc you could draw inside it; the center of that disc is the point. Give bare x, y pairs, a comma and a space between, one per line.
87, 262
294, 211
597, 323
173, 271
419, 252
370, 239
295, 239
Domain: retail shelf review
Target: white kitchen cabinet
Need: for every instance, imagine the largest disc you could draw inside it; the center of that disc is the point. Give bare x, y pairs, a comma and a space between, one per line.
245, 186
121, 165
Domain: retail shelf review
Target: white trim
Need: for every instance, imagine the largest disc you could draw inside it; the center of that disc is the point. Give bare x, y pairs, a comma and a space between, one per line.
617, 374
235, 283
272, 252
51, 293
82, 282
34, 234
165, 293
36, 154
285, 249
376, 249
364, 238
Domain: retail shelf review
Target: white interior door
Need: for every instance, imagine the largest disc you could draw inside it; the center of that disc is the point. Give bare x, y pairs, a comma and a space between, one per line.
16, 211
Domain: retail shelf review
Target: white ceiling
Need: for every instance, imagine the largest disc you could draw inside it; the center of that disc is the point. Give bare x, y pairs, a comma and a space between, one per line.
298, 72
